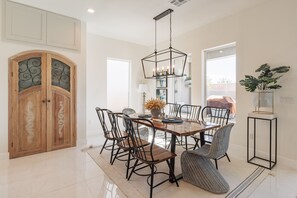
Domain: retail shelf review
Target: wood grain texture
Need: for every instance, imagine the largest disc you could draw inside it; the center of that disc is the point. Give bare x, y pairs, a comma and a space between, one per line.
42, 117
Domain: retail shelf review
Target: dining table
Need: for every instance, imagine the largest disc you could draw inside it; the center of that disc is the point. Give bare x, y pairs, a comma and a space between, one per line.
184, 128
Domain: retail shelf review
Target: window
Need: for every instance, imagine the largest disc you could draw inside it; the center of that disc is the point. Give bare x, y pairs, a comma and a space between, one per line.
179, 89
118, 75
220, 81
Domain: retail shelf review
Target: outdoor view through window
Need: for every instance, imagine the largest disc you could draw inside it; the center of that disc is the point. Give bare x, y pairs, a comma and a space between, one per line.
221, 78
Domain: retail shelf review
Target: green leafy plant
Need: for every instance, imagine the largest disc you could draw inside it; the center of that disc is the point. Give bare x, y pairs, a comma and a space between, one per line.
266, 80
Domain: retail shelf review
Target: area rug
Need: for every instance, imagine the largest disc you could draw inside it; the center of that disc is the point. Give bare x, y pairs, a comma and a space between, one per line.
243, 178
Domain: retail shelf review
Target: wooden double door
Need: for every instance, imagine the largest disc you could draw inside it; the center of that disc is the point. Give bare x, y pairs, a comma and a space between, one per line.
42, 103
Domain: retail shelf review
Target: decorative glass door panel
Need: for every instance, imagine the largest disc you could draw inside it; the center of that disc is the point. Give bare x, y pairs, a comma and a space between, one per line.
29, 73
41, 103
60, 74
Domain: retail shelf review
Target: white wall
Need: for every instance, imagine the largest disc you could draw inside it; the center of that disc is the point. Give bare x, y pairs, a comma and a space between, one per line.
263, 34
98, 50
8, 49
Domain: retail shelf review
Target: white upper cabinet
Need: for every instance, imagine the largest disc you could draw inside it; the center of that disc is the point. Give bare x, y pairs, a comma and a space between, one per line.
62, 31
25, 23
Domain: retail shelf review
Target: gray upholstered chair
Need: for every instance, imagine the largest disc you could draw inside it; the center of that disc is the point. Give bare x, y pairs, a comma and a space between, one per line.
219, 146
197, 168
128, 111
199, 171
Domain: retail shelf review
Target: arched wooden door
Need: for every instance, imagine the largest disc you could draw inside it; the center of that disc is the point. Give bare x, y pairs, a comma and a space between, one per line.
42, 103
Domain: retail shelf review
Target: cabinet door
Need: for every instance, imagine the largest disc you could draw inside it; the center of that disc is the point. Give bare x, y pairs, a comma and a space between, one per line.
61, 103
24, 23
27, 106
42, 103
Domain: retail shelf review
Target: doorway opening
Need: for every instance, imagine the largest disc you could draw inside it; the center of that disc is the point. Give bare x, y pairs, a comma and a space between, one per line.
220, 77
118, 75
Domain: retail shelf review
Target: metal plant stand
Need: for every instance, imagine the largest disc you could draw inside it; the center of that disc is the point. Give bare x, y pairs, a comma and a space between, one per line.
256, 157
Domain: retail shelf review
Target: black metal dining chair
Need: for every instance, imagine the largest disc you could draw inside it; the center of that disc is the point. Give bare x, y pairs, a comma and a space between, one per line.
215, 115
107, 130
170, 111
149, 154
189, 112
123, 140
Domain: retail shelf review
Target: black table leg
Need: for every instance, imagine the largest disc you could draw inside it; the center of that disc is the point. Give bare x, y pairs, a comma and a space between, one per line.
172, 160
202, 140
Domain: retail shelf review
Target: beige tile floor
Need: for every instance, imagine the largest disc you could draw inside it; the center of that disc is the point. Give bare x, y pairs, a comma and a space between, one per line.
72, 173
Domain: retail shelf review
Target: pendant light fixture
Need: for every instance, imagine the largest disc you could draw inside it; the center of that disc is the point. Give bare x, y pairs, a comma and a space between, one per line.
168, 62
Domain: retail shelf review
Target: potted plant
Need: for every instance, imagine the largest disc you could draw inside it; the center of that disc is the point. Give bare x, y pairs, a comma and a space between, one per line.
264, 84
266, 80
155, 105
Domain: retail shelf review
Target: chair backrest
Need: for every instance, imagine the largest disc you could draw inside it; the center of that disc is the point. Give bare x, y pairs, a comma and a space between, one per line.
116, 129
190, 112
171, 109
144, 153
128, 111
102, 115
220, 142
215, 115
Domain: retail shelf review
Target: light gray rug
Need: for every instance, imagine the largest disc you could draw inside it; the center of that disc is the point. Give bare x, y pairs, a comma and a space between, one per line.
243, 178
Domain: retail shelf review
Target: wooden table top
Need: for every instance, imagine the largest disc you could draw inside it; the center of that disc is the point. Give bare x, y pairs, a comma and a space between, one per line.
185, 128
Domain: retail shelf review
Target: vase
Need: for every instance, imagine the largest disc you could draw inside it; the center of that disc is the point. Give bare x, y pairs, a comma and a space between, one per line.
264, 102
155, 113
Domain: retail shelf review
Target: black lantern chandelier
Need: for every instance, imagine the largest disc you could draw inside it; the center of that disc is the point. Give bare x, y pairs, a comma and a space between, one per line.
165, 63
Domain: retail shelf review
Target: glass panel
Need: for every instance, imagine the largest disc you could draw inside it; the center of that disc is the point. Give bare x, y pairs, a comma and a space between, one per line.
117, 84
29, 73
220, 82
60, 74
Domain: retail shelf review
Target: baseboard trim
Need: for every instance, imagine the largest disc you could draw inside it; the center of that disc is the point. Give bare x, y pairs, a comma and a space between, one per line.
240, 152
81, 142
4, 156
287, 163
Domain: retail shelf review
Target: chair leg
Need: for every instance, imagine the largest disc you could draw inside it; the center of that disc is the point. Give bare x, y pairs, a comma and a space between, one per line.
152, 181
103, 145
227, 157
135, 164
128, 164
113, 143
186, 141
115, 156
196, 143
216, 162
172, 173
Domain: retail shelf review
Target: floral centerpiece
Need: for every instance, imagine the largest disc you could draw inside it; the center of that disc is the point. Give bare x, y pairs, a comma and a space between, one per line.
155, 105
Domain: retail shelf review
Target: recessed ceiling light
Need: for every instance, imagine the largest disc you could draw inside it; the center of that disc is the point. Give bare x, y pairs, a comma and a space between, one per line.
90, 10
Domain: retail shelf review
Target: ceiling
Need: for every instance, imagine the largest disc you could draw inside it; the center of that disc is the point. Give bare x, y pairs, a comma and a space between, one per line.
132, 20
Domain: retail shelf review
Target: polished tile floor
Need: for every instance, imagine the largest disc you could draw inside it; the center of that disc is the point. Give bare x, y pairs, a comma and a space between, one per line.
72, 173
